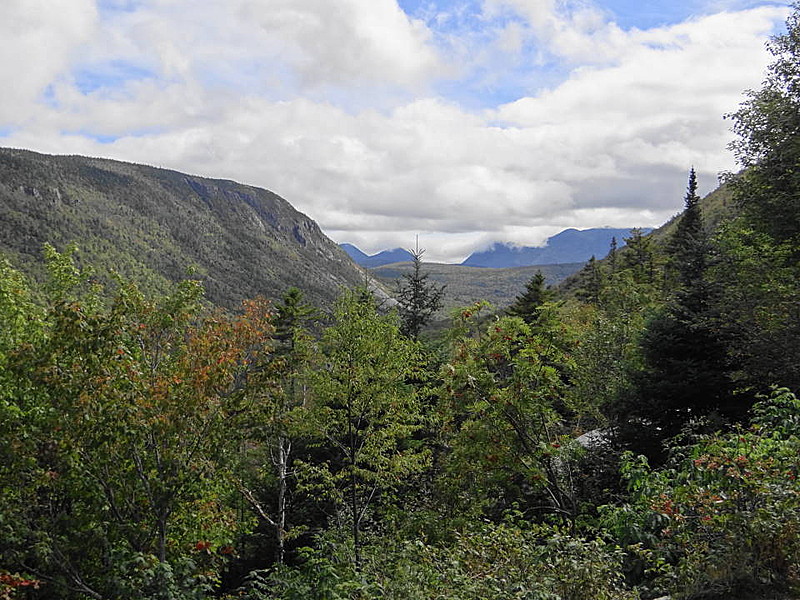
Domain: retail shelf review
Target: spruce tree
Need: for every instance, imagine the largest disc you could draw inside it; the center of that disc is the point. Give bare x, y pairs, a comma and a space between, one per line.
418, 298
593, 282
686, 371
640, 258
527, 304
611, 259
689, 246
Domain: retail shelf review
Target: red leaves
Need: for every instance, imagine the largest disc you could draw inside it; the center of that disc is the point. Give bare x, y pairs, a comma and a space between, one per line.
9, 583
205, 546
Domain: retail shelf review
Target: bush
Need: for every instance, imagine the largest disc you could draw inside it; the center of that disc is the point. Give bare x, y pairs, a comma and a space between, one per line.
727, 508
490, 562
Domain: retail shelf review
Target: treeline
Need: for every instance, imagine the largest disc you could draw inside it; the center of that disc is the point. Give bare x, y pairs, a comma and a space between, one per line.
159, 449
640, 437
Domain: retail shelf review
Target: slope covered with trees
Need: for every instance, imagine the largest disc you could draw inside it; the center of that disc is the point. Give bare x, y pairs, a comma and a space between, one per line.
150, 225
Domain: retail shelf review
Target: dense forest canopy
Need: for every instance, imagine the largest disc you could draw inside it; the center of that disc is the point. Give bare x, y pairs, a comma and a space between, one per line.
636, 437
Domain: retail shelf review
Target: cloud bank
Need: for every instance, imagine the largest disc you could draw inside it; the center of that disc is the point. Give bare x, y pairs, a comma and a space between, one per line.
466, 123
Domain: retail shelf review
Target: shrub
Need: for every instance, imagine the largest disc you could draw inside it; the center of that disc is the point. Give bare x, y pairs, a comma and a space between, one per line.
727, 507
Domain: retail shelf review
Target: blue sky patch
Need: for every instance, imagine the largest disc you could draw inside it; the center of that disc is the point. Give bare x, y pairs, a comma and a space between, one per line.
110, 7
114, 74
49, 97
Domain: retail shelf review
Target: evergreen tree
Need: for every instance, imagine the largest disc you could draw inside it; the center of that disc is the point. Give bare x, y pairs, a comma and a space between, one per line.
640, 258
611, 258
292, 314
526, 305
686, 371
689, 246
593, 282
285, 396
418, 298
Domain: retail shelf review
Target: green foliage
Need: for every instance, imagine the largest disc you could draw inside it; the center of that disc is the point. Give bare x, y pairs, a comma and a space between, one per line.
418, 298
723, 513
686, 365
502, 393
316, 578
365, 412
639, 257
759, 316
527, 305
267, 479
768, 145
129, 412
759, 268
488, 562
688, 247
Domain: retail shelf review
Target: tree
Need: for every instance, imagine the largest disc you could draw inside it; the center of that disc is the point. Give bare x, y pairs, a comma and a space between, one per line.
759, 316
501, 395
365, 411
418, 298
592, 282
640, 257
689, 246
611, 259
609, 352
686, 365
768, 146
284, 397
141, 409
527, 305
759, 271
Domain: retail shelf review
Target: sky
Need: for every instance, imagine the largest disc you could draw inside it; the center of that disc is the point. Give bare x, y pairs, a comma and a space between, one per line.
463, 122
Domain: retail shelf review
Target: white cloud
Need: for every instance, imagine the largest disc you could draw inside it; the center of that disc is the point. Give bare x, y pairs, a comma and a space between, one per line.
577, 31
38, 39
345, 41
300, 96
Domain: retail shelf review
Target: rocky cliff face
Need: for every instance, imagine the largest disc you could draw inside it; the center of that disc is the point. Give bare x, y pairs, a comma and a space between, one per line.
152, 224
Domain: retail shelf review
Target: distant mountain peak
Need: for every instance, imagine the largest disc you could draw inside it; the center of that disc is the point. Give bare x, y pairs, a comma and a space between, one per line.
569, 246
386, 257
354, 252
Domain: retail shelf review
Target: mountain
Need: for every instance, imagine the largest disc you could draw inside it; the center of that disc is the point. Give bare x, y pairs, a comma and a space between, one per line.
386, 257
151, 224
569, 246
353, 252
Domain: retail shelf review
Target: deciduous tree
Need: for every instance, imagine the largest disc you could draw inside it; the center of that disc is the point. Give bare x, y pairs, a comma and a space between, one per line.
366, 413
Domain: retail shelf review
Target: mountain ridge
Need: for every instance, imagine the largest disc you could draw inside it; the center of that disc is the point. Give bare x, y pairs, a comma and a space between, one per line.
151, 224
385, 257
568, 246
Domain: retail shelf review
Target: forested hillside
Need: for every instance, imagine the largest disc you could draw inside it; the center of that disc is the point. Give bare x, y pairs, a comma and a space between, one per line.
151, 225
635, 438
464, 285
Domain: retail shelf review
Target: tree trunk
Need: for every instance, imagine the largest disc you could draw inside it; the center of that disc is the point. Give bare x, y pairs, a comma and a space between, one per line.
284, 450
